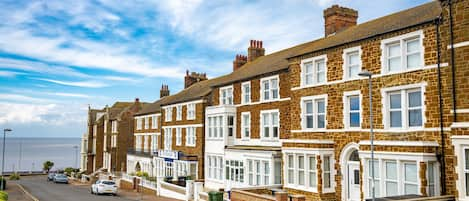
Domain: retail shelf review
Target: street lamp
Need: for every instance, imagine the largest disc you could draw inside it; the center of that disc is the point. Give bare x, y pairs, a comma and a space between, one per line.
3, 156
366, 73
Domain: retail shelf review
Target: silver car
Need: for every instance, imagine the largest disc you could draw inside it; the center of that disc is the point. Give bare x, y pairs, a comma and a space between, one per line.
60, 178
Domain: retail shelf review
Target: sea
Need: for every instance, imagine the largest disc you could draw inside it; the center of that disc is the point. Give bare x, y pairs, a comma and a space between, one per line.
28, 154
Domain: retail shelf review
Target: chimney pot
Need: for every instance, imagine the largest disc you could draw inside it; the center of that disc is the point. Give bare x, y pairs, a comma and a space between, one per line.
255, 50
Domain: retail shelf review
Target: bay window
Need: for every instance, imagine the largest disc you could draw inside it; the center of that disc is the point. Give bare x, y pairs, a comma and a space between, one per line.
270, 88
270, 124
301, 171
410, 178
234, 171
391, 178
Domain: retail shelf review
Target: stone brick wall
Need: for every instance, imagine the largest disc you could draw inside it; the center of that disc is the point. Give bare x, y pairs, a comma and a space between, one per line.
198, 150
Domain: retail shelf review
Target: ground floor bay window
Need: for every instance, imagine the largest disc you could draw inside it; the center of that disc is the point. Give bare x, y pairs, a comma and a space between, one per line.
175, 168
400, 173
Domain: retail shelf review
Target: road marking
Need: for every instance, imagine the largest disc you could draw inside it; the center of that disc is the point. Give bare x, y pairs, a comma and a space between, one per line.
27, 193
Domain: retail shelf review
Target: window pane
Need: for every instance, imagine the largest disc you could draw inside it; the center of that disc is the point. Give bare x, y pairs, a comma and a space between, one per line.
327, 180
410, 171
308, 67
394, 64
394, 50
413, 46
415, 99
321, 121
391, 188
265, 119
309, 107
413, 60
376, 167
410, 189
354, 103
274, 118
301, 162
290, 161
301, 177
353, 58
396, 119
312, 179
391, 170
327, 164
467, 182
395, 100
309, 121
321, 106
355, 119
353, 71
415, 117
312, 163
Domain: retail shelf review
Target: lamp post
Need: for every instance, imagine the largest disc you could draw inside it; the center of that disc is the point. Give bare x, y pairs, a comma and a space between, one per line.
3, 156
366, 73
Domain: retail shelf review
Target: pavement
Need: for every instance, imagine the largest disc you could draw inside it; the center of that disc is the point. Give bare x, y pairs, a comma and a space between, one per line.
15, 193
39, 187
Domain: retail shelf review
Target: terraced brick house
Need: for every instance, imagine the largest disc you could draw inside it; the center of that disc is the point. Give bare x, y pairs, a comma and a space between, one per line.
147, 138
182, 120
95, 140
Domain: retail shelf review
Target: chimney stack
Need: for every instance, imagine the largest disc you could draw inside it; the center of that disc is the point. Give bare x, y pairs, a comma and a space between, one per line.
337, 18
193, 78
164, 91
239, 61
255, 50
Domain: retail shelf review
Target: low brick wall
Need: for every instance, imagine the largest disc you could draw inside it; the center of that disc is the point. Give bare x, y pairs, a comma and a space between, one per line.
124, 184
149, 191
241, 195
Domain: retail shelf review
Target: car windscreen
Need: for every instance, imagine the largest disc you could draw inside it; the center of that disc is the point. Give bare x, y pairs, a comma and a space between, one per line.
108, 182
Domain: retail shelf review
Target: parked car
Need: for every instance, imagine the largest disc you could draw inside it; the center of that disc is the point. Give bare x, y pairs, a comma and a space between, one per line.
104, 187
60, 178
50, 177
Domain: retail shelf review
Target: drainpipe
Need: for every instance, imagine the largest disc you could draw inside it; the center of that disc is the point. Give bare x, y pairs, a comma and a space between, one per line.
441, 156
453, 70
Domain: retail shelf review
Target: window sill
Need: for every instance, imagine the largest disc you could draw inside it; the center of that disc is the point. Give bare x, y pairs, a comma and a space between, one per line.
270, 140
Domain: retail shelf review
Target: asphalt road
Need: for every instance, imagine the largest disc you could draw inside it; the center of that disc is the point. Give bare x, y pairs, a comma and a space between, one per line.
49, 191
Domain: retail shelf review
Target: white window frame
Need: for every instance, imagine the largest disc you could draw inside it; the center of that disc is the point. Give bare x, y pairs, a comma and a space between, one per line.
147, 122
314, 61
229, 98
314, 100
139, 123
401, 40
404, 90
168, 138
331, 173
190, 111
244, 94
178, 112
191, 136
154, 143
404, 181
271, 124
168, 114
178, 136
345, 64
154, 121
245, 126
114, 126
346, 109
270, 90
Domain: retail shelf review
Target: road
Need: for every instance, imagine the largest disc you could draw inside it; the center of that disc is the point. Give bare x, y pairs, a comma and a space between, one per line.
49, 191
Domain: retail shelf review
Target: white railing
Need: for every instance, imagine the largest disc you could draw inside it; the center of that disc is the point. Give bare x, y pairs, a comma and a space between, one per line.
149, 184
127, 177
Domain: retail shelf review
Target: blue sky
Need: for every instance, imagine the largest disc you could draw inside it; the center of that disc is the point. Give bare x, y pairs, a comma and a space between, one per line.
57, 56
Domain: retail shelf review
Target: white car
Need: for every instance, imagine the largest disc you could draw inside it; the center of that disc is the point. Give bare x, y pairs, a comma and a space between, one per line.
104, 187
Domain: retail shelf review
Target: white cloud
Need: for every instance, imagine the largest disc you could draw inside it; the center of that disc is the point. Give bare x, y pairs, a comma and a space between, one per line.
22, 98
53, 114
8, 74
74, 95
88, 84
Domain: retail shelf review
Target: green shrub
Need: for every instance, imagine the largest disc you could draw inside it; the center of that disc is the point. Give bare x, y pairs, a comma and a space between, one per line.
15, 176
142, 174
3, 196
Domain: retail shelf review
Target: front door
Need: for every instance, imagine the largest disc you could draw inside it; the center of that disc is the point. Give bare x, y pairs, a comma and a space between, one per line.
353, 184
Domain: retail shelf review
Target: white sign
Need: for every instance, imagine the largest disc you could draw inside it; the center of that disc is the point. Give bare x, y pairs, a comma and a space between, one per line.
168, 154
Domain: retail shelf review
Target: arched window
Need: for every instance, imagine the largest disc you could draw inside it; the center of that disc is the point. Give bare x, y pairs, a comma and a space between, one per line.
354, 156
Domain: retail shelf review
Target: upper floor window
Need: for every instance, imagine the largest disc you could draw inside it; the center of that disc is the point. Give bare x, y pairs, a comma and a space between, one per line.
352, 62
191, 136
179, 112
168, 114
147, 122
403, 53
191, 111
114, 141
314, 71
270, 124
105, 126
352, 109
168, 138
114, 126
226, 95
246, 92
270, 88
230, 124
403, 107
314, 112
215, 127
154, 121
139, 123
178, 136
154, 143
246, 125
